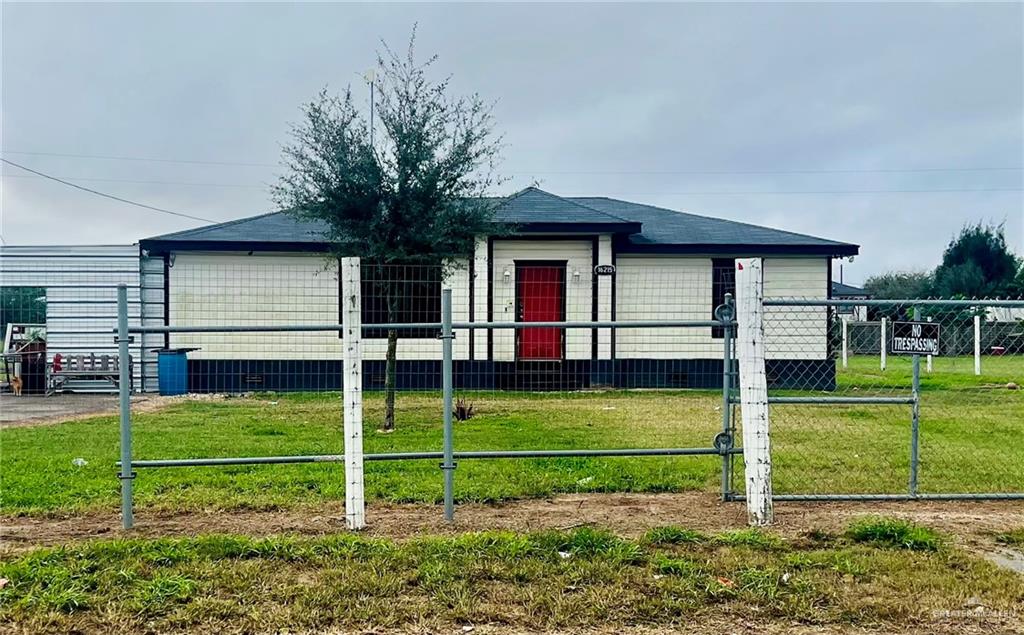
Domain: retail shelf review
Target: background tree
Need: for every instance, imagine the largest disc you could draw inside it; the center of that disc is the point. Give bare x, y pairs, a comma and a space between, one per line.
900, 284
408, 190
977, 263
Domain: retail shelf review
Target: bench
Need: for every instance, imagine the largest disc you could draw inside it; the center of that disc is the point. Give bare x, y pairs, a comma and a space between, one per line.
66, 368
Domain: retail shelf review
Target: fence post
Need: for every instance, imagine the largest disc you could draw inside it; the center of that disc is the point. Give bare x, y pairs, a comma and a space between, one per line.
750, 351
448, 467
352, 392
929, 358
846, 341
884, 320
124, 365
727, 315
977, 344
915, 418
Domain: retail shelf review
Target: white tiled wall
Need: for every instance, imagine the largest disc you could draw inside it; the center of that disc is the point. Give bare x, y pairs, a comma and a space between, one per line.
679, 288
237, 289
664, 288
796, 332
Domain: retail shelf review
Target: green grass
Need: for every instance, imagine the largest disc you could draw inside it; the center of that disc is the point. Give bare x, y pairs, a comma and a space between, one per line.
893, 532
1014, 537
969, 432
970, 442
34, 459
547, 580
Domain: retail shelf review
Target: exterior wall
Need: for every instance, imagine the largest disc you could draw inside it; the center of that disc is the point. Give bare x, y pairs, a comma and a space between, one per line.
796, 332
578, 290
220, 288
605, 286
81, 300
262, 289
679, 288
664, 288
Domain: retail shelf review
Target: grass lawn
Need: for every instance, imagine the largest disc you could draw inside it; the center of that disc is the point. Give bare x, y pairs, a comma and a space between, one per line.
971, 431
972, 439
878, 573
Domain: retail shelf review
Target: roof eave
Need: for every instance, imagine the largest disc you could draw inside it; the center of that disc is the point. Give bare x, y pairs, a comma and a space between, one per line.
157, 246
838, 250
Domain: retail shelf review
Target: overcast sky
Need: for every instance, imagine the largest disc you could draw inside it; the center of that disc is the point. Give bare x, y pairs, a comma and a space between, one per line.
885, 125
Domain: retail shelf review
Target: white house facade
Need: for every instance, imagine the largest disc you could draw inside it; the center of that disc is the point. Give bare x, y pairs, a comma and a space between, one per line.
569, 259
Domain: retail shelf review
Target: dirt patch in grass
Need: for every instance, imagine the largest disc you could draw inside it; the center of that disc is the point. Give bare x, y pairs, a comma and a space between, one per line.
967, 522
36, 410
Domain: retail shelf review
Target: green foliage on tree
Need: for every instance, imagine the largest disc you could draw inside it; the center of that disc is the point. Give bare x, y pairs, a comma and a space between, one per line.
977, 263
403, 185
899, 284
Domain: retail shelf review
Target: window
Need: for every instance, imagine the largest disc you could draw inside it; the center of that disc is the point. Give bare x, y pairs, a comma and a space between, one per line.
723, 280
413, 291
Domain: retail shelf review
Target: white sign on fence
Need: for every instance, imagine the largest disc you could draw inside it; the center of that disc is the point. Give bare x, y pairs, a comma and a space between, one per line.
757, 450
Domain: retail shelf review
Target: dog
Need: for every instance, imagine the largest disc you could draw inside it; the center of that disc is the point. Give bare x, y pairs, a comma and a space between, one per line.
16, 385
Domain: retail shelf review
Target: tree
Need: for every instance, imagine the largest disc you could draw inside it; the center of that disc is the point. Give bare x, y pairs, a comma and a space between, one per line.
977, 263
900, 284
409, 190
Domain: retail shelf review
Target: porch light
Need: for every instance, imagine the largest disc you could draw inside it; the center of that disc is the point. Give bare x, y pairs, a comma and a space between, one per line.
507, 275
576, 275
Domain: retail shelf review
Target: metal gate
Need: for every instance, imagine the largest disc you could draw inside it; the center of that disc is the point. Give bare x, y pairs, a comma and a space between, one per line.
944, 426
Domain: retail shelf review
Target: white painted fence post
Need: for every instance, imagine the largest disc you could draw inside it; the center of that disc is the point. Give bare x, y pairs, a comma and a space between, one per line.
846, 344
351, 302
757, 455
928, 360
977, 344
884, 320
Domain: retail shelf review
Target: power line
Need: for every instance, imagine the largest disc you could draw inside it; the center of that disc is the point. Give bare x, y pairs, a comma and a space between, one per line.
620, 193
105, 195
565, 172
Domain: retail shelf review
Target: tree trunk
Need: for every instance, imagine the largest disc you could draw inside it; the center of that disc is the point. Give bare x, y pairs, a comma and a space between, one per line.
390, 375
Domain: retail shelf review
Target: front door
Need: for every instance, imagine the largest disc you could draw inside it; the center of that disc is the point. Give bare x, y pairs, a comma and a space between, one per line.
540, 297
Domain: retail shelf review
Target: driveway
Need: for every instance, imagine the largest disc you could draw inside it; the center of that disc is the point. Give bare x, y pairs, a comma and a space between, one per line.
39, 409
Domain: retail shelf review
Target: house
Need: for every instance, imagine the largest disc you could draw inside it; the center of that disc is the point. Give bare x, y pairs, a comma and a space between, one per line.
852, 312
570, 258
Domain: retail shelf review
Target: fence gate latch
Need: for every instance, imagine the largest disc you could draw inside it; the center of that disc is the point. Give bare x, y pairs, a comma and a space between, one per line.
723, 442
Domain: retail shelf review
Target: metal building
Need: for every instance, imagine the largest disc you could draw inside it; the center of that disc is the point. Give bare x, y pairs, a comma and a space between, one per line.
80, 284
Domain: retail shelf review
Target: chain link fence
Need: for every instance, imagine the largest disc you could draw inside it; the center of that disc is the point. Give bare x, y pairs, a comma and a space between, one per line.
550, 354
876, 431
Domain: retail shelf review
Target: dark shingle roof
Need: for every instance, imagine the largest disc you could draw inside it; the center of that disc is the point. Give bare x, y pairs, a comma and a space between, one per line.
534, 205
668, 227
840, 289
640, 229
272, 227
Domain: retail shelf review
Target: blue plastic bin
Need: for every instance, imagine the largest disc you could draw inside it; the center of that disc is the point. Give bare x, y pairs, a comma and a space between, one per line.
172, 370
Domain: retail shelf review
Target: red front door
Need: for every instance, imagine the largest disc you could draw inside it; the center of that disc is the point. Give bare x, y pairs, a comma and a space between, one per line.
540, 295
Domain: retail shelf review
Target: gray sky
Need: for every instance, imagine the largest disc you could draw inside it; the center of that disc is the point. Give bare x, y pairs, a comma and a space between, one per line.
713, 109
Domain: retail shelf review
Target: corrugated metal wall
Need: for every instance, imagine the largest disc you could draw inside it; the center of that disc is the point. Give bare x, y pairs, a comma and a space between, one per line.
81, 299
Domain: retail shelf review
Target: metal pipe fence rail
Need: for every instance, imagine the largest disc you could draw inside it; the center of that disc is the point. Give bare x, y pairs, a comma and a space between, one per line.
722, 444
